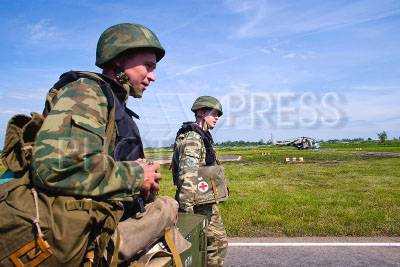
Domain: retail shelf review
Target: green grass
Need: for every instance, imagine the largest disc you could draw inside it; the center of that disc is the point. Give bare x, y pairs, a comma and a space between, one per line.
160, 152
335, 193
370, 145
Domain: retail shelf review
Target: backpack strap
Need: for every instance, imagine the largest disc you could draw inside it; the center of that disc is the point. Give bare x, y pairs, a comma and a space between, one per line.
169, 239
73, 76
110, 129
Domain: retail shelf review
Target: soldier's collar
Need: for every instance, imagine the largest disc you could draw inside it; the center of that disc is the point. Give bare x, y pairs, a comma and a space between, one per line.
118, 90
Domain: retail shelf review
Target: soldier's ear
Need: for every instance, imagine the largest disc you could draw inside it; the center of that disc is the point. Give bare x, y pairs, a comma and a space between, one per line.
118, 67
117, 63
199, 113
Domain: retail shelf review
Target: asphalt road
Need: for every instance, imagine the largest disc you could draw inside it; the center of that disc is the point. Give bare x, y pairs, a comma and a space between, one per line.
311, 251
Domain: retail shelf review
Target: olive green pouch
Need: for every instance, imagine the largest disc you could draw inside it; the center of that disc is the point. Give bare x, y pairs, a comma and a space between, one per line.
212, 186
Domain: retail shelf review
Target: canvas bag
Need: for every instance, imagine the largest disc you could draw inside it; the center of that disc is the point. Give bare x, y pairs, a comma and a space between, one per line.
138, 235
69, 225
212, 185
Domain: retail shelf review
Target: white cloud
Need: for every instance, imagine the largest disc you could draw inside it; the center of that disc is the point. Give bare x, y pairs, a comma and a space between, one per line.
43, 30
303, 56
376, 89
243, 6
268, 19
372, 105
206, 65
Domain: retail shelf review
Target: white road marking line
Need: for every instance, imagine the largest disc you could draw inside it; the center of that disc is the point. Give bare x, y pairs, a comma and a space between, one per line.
315, 244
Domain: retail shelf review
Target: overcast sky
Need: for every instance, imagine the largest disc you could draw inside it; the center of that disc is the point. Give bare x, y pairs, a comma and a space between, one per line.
327, 69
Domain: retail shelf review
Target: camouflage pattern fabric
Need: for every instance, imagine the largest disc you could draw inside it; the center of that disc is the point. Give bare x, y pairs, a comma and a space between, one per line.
217, 241
190, 152
126, 36
67, 157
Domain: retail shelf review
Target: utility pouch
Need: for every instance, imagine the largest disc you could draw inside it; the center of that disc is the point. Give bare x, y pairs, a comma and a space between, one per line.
212, 186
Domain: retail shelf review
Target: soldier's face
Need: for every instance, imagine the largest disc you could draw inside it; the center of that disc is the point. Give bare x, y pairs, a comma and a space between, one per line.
210, 117
140, 69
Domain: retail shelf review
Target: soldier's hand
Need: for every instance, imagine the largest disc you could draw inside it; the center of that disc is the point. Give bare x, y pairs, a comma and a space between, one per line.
151, 177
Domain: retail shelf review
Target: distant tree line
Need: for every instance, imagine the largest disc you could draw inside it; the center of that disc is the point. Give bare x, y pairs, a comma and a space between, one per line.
381, 138
242, 143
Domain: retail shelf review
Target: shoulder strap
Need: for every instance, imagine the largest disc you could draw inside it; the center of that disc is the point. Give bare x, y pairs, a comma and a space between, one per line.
73, 76
110, 129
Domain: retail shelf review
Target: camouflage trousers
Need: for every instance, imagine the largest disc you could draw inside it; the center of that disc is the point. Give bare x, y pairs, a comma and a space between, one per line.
217, 241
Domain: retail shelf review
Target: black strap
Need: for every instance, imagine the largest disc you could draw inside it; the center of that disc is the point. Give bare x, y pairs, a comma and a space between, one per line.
205, 136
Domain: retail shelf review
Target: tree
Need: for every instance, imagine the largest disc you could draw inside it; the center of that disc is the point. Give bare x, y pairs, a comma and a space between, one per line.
382, 136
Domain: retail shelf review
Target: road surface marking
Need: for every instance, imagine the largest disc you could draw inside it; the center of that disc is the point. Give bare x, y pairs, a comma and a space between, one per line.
316, 244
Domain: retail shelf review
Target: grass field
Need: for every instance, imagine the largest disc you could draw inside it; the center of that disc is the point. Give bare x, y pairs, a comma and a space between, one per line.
344, 191
340, 190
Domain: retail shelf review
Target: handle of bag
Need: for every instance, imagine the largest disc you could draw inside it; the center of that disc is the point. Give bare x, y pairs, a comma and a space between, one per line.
169, 239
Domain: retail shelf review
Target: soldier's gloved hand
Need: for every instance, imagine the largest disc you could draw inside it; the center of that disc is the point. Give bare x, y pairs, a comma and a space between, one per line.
151, 177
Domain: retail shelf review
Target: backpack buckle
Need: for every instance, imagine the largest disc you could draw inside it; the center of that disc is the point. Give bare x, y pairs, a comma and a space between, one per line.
36, 252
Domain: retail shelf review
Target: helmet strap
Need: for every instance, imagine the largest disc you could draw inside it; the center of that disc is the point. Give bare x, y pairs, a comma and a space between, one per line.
205, 127
123, 79
202, 123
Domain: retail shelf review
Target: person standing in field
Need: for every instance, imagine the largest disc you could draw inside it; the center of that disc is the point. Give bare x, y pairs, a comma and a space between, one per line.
199, 177
85, 175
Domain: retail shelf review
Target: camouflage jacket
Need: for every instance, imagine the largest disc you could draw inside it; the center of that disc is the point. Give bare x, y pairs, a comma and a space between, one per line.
68, 158
190, 154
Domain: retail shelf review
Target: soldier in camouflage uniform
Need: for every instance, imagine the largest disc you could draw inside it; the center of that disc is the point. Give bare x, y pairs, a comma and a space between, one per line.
67, 155
193, 151
88, 152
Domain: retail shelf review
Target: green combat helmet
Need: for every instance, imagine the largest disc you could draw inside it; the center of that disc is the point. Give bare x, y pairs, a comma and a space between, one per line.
123, 37
207, 102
